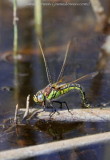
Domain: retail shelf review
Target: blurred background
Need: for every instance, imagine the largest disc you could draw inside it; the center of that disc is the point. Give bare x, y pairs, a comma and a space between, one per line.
22, 69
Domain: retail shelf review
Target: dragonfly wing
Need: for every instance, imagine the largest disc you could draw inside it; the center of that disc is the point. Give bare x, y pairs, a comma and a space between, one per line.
61, 83
57, 86
86, 77
66, 79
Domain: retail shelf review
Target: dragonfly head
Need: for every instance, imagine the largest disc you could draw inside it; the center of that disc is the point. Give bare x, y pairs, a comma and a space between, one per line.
39, 97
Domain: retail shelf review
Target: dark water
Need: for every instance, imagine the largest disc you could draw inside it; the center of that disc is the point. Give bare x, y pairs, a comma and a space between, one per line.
28, 76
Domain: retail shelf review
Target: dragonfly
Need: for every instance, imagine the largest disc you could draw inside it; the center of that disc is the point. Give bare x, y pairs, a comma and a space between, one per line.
53, 91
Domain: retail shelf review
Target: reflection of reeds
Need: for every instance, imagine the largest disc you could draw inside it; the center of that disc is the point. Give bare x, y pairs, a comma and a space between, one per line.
102, 18
103, 25
38, 17
15, 38
15, 47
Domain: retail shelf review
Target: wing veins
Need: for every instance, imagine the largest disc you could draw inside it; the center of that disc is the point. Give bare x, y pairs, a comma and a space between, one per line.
91, 75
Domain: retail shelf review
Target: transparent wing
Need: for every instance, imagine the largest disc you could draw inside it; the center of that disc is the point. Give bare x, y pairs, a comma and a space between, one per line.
86, 77
66, 79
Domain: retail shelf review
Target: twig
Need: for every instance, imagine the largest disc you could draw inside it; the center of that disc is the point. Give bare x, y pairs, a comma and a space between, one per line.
46, 149
27, 107
16, 113
9, 130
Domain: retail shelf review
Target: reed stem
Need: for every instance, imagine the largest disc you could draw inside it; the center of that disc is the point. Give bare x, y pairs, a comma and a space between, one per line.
15, 19
38, 18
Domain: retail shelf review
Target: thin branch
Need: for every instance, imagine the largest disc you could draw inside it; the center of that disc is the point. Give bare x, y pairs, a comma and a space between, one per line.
16, 113
27, 107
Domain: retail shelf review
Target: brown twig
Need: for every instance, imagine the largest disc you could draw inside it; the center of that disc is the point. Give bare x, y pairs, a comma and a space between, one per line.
27, 107
16, 113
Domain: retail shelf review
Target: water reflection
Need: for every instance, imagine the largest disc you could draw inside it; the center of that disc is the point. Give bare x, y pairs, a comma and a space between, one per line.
25, 136
23, 81
58, 130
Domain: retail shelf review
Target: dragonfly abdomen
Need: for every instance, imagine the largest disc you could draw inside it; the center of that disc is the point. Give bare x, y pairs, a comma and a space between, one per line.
72, 87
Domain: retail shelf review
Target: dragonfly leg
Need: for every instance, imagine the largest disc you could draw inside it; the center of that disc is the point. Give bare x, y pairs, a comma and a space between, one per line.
61, 104
58, 103
53, 109
66, 106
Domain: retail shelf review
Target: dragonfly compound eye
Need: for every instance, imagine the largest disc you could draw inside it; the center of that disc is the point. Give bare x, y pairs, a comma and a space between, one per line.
38, 98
